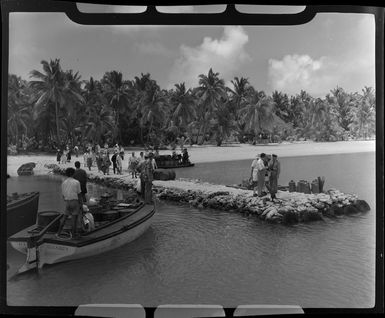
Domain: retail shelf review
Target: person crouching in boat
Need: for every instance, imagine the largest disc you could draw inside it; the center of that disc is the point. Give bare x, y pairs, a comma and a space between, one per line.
72, 196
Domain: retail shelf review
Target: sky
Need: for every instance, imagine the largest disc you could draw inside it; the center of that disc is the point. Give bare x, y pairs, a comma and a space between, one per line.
334, 49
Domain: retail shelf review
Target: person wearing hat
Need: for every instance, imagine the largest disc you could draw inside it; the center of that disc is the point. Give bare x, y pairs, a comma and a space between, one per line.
257, 174
275, 169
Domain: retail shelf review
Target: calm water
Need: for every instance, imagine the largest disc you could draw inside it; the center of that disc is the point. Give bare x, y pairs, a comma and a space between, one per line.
213, 257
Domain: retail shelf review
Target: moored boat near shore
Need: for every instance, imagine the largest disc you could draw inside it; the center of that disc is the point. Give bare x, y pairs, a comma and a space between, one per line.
21, 211
168, 162
42, 246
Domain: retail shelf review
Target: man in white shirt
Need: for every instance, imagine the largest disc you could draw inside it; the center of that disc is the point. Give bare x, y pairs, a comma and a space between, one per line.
258, 170
73, 199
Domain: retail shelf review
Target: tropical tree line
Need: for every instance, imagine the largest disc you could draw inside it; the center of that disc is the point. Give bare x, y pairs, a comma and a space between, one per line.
56, 107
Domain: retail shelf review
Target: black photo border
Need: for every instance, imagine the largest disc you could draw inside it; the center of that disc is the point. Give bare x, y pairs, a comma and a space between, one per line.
229, 17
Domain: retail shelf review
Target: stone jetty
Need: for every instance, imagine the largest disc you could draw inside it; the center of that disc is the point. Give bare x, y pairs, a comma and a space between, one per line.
291, 207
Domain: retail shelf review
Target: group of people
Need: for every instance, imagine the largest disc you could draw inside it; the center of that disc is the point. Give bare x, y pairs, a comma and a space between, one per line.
182, 158
74, 188
264, 175
101, 157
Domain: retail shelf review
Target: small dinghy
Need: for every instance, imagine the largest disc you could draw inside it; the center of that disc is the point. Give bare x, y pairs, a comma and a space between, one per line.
112, 228
21, 211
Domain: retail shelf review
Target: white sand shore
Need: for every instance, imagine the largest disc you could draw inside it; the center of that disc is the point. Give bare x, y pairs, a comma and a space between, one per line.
200, 154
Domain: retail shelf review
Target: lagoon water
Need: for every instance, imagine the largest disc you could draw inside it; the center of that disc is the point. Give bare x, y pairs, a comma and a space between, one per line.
216, 257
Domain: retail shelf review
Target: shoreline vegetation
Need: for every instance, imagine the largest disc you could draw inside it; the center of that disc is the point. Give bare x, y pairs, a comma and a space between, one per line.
292, 207
55, 109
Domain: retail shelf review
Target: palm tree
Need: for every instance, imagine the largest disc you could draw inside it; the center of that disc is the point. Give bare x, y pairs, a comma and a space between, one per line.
153, 109
223, 124
183, 106
282, 105
118, 95
100, 122
210, 92
52, 88
258, 112
342, 104
238, 97
141, 85
19, 111
238, 94
364, 114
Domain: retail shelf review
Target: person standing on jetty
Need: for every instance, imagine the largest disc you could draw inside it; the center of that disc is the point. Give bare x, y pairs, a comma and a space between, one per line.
90, 159
113, 159
119, 162
141, 159
81, 176
275, 169
258, 170
58, 156
133, 165
146, 177
105, 160
72, 196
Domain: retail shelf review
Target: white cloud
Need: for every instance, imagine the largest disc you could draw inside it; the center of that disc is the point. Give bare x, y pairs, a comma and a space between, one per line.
353, 69
224, 55
299, 72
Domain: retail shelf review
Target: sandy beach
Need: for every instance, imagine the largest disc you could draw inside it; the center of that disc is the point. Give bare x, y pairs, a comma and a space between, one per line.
201, 154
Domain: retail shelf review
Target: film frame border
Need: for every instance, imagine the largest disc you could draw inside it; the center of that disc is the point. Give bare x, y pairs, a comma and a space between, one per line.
228, 17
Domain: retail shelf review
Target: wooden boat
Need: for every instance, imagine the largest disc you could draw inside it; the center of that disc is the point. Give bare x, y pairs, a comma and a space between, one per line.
168, 162
42, 246
21, 211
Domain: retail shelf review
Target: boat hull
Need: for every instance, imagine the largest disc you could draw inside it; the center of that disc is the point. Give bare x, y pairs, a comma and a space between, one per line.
53, 250
22, 213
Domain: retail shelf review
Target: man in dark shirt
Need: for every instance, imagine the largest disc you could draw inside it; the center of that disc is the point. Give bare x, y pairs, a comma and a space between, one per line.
81, 176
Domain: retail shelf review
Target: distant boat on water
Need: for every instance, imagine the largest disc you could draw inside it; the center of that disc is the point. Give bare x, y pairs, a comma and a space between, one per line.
21, 211
168, 162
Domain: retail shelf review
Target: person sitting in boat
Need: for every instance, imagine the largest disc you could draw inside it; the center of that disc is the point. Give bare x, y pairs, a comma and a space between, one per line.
185, 157
72, 196
174, 156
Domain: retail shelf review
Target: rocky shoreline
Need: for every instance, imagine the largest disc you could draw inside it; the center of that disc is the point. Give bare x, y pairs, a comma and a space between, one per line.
292, 207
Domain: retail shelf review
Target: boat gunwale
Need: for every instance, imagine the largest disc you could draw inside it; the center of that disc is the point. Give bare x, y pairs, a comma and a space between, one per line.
15, 204
142, 205
175, 167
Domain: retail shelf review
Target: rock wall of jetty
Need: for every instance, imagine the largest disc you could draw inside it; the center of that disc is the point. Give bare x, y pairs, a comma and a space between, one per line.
291, 207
